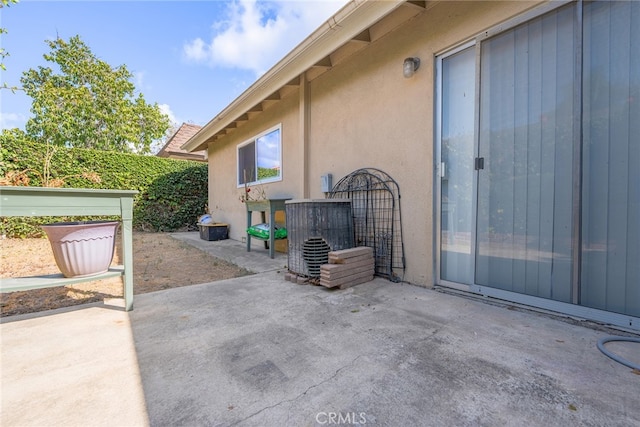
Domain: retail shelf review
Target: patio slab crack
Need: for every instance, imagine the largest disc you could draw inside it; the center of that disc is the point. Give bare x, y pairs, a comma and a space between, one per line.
311, 387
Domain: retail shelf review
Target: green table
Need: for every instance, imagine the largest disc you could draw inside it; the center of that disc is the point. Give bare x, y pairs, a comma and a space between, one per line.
39, 201
264, 206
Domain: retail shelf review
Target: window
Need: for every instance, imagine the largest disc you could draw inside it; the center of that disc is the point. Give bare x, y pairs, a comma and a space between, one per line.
260, 158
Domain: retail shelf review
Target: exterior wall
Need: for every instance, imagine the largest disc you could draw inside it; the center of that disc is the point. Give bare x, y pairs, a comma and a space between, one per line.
224, 194
364, 113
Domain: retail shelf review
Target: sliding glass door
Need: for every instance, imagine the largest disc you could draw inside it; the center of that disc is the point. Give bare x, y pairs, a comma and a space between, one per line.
539, 153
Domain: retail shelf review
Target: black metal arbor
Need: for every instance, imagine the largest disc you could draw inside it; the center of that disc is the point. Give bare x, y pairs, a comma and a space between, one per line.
375, 204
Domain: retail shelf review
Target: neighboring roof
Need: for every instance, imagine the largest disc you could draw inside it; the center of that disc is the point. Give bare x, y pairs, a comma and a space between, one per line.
356, 25
173, 147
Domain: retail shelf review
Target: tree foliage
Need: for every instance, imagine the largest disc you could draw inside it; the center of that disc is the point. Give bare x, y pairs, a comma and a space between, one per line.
3, 52
86, 103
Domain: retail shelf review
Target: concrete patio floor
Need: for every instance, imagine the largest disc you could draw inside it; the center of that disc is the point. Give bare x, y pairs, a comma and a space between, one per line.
260, 351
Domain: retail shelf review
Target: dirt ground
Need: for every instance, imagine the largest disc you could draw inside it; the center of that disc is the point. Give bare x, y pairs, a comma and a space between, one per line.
159, 262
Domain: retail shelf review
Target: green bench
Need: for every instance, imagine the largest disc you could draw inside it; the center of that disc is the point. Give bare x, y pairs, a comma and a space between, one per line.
40, 201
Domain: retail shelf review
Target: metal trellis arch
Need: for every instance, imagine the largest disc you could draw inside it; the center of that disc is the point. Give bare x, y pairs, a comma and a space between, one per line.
375, 204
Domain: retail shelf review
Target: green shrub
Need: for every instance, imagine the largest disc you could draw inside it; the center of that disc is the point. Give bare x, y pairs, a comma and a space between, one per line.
173, 201
172, 193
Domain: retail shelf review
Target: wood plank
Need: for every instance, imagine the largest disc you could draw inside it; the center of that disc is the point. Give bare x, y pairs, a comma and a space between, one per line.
328, 284
346, 267
352, 259
14, 284
344, 280
341, 267
352, 252
343, 273
348, 284
38, 201
349, 260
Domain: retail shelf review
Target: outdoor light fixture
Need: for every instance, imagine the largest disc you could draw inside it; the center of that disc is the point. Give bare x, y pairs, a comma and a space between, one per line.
410, 66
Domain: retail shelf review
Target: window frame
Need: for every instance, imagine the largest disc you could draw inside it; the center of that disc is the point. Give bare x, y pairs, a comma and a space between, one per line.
254, 140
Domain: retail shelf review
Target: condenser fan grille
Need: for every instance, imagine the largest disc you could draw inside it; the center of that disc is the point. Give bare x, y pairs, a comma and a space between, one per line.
315, 252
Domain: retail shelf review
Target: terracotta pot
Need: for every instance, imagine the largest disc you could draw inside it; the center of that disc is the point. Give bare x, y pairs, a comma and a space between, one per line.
82, 248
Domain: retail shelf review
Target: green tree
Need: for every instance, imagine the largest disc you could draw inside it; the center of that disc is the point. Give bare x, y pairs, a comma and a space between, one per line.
4, 53
89, 104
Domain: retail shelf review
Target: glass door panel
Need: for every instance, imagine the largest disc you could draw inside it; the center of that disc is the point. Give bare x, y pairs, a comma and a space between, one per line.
456, 169
526, 137
610, 277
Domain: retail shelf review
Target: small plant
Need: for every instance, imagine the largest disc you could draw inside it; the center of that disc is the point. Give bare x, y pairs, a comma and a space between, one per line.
247, 196
255, 194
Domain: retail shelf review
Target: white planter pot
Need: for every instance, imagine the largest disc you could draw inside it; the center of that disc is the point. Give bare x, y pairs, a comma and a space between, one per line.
82, 248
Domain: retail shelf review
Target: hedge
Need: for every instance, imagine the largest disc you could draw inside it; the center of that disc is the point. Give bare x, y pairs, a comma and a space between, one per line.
172, 193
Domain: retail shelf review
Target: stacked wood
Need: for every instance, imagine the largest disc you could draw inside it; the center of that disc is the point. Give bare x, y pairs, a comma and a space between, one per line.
348, 267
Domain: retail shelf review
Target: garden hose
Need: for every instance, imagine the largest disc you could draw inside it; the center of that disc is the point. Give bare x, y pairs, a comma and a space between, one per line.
614, 356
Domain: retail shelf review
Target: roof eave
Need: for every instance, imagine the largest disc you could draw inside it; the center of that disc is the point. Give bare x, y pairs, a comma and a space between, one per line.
355, 17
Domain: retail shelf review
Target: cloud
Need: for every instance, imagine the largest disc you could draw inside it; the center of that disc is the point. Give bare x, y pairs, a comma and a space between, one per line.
196, 50
12, 120
166, 109
139, 79
255, 34
269, 149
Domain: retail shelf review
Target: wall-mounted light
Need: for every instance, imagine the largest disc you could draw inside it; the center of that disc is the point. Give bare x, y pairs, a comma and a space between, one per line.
410, 66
